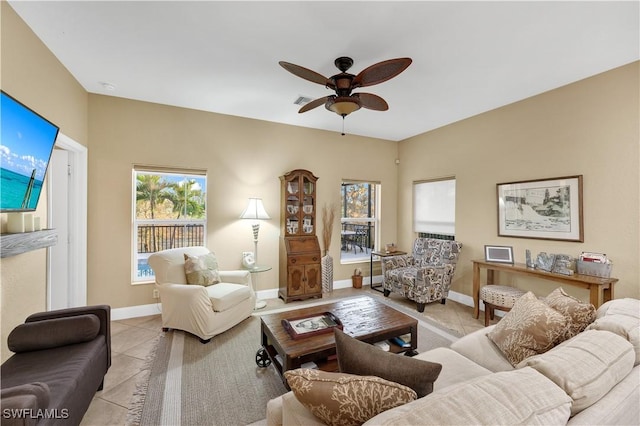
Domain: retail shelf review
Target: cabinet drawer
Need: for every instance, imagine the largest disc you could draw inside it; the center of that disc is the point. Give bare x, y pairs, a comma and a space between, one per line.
304, 260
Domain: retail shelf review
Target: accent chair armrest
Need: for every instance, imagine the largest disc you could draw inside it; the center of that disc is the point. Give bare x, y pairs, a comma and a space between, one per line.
400, 261
103, 312
236, 277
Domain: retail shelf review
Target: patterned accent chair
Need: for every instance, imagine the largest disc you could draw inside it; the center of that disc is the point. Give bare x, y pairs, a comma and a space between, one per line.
425, 275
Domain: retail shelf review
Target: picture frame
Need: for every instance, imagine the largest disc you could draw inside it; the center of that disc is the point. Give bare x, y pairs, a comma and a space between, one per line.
547, 209
311, 325
498, 254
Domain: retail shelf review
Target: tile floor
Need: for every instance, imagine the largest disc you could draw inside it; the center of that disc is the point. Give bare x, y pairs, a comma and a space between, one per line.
132, 340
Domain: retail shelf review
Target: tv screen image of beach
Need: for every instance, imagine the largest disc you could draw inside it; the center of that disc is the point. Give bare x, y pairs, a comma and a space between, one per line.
26, 143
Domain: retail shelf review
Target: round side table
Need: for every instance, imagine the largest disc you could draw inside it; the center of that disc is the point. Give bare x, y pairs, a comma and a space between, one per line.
255, 270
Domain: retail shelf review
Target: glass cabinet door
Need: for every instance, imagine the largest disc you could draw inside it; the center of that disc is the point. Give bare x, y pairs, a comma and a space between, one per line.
293, 207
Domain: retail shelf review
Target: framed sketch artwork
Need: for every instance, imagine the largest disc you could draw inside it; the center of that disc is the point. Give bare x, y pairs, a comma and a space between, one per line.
548, 209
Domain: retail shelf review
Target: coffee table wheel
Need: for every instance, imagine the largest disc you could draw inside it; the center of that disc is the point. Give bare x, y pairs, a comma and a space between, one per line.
411, 352
262, 358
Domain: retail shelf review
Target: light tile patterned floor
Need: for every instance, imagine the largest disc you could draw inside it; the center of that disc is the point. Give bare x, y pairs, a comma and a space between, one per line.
132, 339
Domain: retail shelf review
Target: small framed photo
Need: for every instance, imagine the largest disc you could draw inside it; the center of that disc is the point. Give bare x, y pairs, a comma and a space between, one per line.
499, 254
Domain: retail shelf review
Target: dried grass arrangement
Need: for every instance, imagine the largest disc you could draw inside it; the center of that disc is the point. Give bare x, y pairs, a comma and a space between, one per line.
328, 217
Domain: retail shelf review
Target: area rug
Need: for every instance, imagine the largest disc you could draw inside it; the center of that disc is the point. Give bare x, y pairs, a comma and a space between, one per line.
219, 383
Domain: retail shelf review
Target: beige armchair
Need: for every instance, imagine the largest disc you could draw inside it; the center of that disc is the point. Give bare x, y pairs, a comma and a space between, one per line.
202, 311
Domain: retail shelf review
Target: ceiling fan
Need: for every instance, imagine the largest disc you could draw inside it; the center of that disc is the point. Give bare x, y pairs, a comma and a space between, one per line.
344, 102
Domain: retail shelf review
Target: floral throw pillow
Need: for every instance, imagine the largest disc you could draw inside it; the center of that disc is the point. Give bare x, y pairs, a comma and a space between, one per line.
345, 399
578, 314
531, 327
201, 270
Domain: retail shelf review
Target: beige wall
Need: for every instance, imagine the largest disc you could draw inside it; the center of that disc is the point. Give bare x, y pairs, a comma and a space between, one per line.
35, 77
243, 158
588, 128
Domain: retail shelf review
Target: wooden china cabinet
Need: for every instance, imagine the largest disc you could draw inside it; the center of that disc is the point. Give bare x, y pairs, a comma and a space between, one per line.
300, 268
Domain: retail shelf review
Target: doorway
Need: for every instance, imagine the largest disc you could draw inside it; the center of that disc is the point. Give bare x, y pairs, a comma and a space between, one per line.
67, 212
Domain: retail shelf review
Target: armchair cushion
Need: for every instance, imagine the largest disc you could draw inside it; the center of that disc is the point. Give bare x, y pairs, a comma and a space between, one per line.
52, 333
201, 270
356, 357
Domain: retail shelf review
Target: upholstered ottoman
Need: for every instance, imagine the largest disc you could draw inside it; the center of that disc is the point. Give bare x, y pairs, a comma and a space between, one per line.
500, 297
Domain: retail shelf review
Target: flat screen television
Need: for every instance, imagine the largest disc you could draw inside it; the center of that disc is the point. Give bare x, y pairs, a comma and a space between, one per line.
26, 143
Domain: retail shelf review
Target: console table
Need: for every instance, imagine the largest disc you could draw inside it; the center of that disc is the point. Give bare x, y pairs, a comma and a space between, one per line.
600, 289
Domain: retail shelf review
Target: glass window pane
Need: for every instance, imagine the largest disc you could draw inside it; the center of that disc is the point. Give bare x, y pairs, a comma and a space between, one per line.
170, 212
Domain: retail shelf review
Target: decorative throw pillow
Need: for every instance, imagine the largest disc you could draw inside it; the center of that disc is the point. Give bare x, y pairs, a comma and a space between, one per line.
53, 333
201, 270
345, 399
356, 357
578, 314
531, 327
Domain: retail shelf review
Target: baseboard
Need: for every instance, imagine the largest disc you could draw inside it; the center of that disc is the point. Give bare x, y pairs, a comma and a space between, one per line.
156, 308
136, 311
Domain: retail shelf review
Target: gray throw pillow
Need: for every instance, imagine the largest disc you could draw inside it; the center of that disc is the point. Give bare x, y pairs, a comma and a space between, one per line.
363, 359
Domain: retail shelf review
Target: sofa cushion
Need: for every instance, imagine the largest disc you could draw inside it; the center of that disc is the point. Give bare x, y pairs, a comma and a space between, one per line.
201, 270
51, 333
587, 366
529, 328
480, 349
514, 397
346, 399
578, 314
356, 357
455, 367
226, 295
622, 317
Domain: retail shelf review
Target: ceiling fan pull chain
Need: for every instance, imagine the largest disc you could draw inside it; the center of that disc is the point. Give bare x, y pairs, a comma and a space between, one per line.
343, 124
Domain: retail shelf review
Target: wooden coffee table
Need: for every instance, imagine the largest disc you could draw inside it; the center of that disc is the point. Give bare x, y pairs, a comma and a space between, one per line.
364, 318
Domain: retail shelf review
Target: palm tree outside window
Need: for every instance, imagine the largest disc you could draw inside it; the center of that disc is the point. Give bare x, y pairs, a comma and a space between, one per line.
169, 212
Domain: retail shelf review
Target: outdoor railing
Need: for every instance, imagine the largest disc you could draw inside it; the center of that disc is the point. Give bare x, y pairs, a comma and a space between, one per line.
154, 238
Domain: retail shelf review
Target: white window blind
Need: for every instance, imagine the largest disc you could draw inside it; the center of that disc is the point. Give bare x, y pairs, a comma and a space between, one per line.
434, 206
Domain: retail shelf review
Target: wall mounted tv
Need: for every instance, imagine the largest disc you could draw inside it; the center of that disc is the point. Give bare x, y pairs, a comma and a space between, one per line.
26, 143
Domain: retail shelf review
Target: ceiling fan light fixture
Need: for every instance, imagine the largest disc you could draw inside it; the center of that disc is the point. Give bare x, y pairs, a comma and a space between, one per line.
343, 105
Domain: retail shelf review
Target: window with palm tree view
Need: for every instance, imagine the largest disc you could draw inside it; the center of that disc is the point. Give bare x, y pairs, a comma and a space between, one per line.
359, 219
170, 212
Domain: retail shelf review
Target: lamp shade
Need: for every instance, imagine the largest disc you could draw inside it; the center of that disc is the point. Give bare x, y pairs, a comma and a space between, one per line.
255, 210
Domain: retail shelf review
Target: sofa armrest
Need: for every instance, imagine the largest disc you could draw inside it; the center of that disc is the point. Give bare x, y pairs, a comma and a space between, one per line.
103, 312
236, 277
19, 401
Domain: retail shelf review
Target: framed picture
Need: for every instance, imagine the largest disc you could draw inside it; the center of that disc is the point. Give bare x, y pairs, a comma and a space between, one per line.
500, 254
311, 325
547, 209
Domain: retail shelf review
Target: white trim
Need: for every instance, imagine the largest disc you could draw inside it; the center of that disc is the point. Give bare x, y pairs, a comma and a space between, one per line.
136, 311
77, 222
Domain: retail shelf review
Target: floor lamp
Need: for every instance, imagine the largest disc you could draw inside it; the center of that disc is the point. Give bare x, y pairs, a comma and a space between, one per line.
255, 211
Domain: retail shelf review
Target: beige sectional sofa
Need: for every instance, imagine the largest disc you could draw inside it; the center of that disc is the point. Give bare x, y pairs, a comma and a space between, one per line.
591, 378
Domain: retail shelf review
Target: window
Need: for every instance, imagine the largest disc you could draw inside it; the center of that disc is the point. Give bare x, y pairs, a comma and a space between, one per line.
434, 208
169, 212
359, 219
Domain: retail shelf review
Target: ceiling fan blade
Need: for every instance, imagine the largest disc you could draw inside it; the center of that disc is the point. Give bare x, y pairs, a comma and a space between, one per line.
314, 104
307, 74
371, 101
380, 72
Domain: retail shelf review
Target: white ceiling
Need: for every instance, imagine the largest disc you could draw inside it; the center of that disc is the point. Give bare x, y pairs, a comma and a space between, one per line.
468, 57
